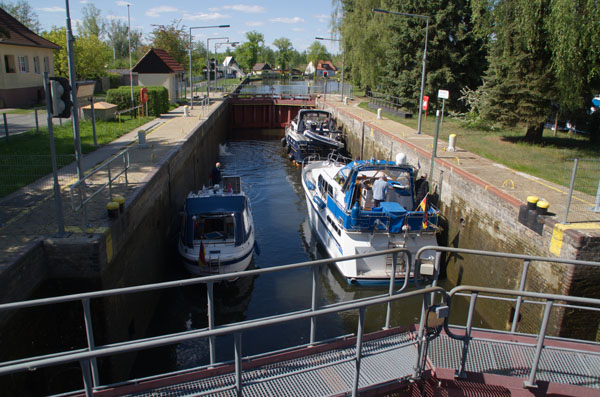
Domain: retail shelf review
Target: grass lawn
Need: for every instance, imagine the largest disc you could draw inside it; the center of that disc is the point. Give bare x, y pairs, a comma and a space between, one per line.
26, 157
550, 160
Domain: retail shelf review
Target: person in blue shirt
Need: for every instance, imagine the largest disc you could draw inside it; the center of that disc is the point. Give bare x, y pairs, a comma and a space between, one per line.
379, 190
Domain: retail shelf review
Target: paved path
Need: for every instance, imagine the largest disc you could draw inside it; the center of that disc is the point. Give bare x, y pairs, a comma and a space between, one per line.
29, 214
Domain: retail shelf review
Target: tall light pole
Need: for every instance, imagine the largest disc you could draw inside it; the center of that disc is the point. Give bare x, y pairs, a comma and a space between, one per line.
207, 64
73, 84
426, 17
191, 80
130, 69
232, 43
343, 56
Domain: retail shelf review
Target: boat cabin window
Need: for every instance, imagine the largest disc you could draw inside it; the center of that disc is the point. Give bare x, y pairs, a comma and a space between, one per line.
214, 227
324, 187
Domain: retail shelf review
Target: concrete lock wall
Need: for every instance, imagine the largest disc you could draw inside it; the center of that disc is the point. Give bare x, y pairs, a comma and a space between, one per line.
482, 217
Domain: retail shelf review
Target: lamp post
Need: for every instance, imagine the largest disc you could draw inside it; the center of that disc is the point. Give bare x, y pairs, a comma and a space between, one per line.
129, 40
207, 63
232, 43
343, 56
191, 80
426, 17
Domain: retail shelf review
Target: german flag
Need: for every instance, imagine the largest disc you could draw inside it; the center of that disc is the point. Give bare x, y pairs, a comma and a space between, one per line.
423, 206
201, 255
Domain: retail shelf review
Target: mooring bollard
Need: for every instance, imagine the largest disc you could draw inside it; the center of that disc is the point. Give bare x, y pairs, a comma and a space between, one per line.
186, 111
452, 143
345, 100
142, 138
119, 200
113, 209
379, 114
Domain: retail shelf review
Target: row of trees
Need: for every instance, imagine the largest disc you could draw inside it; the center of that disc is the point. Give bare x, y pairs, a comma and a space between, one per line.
103, 43
512, 62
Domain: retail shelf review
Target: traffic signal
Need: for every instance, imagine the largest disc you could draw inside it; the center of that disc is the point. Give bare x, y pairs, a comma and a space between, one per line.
61, 97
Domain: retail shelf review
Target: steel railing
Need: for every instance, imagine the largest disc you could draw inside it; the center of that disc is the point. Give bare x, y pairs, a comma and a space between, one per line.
81, 185
545, 299
87, 356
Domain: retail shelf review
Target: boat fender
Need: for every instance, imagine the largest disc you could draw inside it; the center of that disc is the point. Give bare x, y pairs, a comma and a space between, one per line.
319, 202
355, 214
283, 142
310, 185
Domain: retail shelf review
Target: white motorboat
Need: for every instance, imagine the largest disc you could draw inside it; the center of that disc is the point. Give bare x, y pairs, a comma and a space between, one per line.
313, 132
342, 212
217, 231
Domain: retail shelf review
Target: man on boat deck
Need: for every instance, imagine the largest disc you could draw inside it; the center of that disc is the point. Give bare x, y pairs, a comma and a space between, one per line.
215, 176
379, 190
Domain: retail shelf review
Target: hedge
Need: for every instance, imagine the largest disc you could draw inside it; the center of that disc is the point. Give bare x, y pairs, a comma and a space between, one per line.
158, 98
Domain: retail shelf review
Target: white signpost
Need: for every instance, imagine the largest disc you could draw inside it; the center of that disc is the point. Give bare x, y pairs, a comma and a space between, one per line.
443, 94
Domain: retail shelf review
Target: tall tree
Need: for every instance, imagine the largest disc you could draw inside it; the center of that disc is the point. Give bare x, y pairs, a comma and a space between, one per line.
91, 55
248, 52
173, 39
116, 31
22, 11
92, 24
575, 48
317, 52
518, 83
284, 52
455, 55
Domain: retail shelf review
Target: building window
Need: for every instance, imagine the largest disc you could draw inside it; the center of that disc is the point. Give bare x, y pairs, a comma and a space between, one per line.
46, 65
36, 65
9, 63
23, 65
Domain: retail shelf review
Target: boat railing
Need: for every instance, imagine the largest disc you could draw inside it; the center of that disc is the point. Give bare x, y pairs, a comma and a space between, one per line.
384, 222
429, 326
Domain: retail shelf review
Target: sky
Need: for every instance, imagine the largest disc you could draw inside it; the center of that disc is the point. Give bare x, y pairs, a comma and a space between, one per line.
298, 21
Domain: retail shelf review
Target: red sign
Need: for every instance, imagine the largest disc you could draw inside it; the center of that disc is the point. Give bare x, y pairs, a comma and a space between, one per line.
143, 94
425, 102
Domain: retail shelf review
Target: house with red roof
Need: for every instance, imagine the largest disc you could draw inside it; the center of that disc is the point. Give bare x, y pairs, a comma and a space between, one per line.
158, 68
325, 68
24, 58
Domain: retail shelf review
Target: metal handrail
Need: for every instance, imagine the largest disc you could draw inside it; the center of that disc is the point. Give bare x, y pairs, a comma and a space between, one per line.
541, 335
80, 184
87, 357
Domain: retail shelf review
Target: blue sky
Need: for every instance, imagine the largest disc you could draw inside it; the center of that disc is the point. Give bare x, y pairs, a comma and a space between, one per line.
299, 21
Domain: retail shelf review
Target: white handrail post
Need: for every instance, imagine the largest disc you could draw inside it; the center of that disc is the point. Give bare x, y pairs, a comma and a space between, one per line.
530, 383
313, 320
89, 332
359, 336
388, 314
211, 320
515, 320
461, 373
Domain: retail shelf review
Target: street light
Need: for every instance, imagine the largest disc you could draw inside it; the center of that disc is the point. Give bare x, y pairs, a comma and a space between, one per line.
232, 43
191, 81
343, 56
424, 55
129, 40
207, 65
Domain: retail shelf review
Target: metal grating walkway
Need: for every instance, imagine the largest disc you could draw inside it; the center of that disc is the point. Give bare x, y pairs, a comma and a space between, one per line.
508, 359
321, 374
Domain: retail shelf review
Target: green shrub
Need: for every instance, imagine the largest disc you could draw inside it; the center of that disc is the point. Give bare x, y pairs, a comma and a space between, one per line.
115, 80
158, 98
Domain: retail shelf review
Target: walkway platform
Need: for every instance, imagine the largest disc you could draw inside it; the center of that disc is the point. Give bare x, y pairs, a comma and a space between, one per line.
497, 366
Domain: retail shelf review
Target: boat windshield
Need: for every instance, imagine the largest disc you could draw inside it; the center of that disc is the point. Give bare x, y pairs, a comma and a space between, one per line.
214, 226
